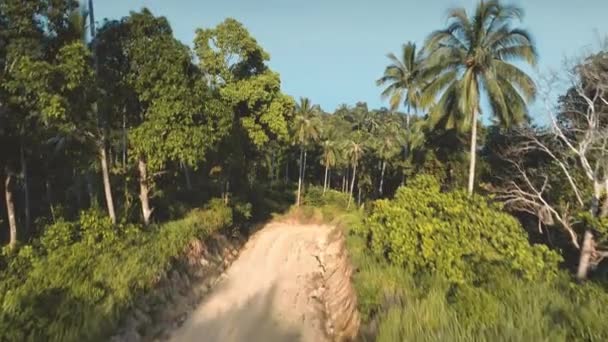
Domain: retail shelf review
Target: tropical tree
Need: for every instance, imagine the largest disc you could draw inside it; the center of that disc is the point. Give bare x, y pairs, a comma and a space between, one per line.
473, 54
403, 79
330, 150
389, 139
235, 66
306, 128
355, 147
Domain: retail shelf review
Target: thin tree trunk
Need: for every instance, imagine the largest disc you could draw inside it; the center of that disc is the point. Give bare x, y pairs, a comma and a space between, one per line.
358, 196
107, 187
49, 199
344, 182
325, 181
473, 153
300, 176
124, 140
304, 170
144, 190
583, 265
26, 189
103, 153
381, 188
10, 209
352, 183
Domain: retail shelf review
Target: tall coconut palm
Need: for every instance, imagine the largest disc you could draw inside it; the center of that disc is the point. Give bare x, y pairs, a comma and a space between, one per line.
403, 79
306, 129
354, 150
330, 151
472, 55
390, 138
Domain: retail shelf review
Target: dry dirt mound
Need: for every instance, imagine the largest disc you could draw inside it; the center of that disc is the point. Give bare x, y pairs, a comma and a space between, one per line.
291, 282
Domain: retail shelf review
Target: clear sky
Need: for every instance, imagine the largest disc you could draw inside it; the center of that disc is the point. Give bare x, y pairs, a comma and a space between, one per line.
333, 50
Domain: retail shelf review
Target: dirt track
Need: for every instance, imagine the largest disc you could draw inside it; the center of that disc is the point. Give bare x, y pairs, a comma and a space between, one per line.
268, 294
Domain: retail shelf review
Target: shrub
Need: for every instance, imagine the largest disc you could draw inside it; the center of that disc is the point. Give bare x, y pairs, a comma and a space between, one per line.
84, 275
315, 197
452, 234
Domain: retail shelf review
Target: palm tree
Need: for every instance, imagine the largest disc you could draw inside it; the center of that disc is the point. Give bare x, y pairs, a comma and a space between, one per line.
354, 151
474, 54
306, 128
390, 138
330, 150
403, 78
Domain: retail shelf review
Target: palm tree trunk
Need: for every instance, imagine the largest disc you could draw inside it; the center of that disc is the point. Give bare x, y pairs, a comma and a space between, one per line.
325, 181
473, 153
304, 170
107, 187
352, 183
381, 188
26, 188
300, 176
144, 190
10, 208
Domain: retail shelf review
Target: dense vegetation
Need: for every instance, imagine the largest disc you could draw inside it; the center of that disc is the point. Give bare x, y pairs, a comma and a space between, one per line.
462, 227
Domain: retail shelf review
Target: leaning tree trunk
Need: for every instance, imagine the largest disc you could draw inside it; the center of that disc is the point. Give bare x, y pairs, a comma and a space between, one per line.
300, 176
352, 183
10, 209
585, 257
144, 190
325, 180
107, 186
381, 187
473, 153
26, 189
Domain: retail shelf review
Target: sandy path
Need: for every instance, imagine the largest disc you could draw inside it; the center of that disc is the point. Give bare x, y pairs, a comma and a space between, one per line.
267, 293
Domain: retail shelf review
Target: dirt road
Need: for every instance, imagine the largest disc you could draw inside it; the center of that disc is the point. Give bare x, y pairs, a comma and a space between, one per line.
268, 294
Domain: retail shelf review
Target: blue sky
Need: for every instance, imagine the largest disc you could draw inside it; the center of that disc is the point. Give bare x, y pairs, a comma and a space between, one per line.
333, 50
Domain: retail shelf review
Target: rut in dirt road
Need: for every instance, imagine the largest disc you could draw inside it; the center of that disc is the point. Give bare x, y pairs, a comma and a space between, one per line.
275, 290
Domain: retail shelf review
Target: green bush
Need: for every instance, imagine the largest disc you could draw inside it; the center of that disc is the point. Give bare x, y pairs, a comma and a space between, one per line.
398, 306
452, 234
81, 277
315, 197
